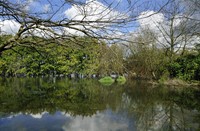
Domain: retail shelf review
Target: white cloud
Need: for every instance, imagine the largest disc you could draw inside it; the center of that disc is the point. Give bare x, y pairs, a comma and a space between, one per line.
153, 20
12, 27
41, 31
92, 11
150, 19
97, 122
12, 116
39, 115
177, 20
9, 26
157, 23
71, 31
94, 15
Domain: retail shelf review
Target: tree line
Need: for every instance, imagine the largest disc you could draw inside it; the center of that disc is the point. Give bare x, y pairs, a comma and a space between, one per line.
93, 57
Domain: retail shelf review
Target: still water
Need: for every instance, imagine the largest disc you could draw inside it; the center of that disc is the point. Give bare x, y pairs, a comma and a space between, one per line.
55, 104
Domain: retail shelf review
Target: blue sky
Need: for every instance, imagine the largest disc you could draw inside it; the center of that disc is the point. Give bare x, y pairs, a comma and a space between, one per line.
119, 5
46, 8
96, 9
100, 9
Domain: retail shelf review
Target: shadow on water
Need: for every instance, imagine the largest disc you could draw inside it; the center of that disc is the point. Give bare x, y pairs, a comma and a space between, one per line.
62, 104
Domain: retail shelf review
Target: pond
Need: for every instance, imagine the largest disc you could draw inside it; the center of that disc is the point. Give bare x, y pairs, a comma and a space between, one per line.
60, 104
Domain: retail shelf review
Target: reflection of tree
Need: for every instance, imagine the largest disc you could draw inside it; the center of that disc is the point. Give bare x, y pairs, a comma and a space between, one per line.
160, 109
34, 96
151, 108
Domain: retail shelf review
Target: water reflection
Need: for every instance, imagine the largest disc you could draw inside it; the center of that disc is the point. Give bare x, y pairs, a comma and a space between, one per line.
106, 120
86, 105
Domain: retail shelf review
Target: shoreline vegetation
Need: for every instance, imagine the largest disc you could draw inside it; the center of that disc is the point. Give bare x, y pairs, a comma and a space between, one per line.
107, 80
97, 60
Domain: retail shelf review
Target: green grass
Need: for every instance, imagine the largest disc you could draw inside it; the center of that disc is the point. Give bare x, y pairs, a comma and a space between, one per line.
107, 80
121, 79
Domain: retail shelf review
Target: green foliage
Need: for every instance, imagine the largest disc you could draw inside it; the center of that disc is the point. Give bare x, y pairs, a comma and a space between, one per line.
51, 59
107, 80
186, 67
111, 60
121, 79
147, 62
88, 57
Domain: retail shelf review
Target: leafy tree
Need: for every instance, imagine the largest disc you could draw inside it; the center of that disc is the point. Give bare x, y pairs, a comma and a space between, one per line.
51, 59
146, 59
111, 60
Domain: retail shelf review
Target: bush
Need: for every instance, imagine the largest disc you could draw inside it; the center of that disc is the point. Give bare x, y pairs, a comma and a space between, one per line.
107, 80
186, 67
121, 79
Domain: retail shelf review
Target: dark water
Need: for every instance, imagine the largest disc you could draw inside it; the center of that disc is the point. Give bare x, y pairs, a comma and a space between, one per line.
33, 104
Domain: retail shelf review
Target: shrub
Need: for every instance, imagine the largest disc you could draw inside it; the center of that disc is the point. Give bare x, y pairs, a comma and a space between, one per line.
107, 80
186, 67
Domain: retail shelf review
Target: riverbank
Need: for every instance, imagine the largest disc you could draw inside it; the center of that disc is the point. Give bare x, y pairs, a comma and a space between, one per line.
176, 83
